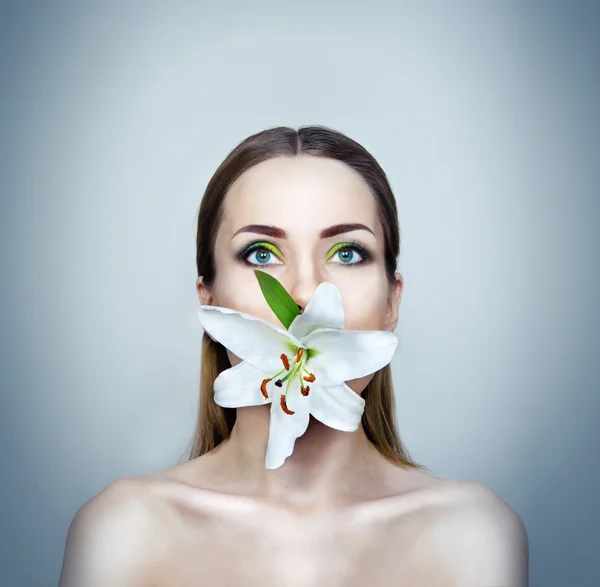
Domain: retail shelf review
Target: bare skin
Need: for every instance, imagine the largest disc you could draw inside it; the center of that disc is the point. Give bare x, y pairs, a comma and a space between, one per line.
336, 513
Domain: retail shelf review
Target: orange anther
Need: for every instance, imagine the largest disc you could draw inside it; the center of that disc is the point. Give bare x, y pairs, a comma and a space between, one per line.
310, 377
286, 363
263, 387
284, 406
299, 354
304, 390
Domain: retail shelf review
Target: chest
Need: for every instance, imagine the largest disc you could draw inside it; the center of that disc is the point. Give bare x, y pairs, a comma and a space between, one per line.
272, 549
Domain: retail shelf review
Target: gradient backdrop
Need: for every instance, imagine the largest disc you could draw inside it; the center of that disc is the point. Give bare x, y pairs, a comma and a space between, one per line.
113, 117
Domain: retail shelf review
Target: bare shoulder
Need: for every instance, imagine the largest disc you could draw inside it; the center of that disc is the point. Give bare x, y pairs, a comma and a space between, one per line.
112, 538
478, 539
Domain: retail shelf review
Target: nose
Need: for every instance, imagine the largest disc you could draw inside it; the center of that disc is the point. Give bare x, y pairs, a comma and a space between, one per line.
302, 284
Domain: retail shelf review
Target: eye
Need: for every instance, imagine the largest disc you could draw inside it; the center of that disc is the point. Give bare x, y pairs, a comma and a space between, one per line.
263, 252
348, 251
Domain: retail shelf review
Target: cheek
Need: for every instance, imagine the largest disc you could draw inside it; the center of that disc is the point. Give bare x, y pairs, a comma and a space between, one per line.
365, 309
245, 296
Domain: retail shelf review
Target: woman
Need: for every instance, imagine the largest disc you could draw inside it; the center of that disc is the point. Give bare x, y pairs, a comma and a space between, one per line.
345, 508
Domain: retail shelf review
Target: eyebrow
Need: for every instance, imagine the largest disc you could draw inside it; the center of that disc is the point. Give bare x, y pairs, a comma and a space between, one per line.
276, 232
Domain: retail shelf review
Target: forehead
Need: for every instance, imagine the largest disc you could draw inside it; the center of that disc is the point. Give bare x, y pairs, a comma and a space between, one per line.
300, 194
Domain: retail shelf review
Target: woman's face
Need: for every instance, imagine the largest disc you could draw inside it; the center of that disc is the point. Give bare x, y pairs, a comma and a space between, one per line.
300, 197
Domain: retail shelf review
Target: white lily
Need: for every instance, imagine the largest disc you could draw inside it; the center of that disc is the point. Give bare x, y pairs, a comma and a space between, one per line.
315, 349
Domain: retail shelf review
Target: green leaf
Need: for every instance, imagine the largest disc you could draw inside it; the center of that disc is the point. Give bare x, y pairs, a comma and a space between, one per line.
280, 301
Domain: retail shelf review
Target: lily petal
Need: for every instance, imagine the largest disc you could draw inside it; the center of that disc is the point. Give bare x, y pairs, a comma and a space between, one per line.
337, 406
324, 310
240, 386
253, 339
285, 428
348, 354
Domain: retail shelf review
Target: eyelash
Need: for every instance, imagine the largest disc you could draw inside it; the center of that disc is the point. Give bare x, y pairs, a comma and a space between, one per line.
352, 245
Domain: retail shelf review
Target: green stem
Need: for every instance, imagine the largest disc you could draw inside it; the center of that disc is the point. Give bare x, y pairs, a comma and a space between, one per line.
289, 374
278, 372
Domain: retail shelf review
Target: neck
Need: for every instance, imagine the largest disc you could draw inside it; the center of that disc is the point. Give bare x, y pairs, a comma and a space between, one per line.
328, 467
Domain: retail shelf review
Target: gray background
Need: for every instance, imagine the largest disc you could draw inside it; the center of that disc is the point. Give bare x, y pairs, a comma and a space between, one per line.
484, 115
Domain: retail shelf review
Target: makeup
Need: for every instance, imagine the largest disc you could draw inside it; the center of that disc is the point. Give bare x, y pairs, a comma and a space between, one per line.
349, 245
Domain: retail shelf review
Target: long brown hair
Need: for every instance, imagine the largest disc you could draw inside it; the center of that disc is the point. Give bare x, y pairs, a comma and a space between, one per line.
214, 422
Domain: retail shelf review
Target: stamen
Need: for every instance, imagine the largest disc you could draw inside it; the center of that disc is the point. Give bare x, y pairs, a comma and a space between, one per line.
310, 376
303, 390
284, 406
263, 387
296, 371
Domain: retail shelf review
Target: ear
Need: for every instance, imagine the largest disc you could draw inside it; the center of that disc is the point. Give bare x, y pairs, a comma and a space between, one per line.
205, 298
204, 295
391, 316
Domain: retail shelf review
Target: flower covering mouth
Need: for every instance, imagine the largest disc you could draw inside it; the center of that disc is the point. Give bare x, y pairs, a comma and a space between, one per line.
314, 349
